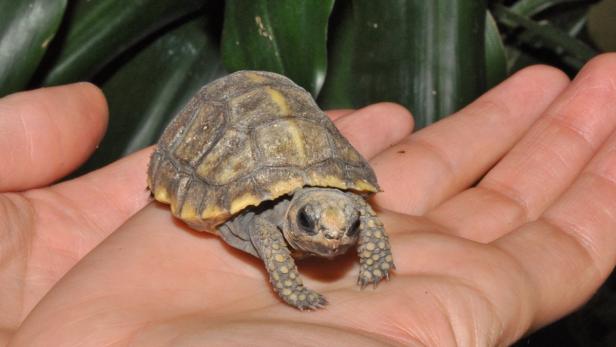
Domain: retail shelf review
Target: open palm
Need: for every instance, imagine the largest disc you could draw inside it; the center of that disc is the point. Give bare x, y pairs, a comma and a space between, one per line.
500, 219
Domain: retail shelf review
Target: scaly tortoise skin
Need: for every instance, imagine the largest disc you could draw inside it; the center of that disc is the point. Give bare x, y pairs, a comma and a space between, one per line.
254, 160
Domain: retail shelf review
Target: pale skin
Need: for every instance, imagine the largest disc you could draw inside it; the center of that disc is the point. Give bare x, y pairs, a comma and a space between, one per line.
500, 220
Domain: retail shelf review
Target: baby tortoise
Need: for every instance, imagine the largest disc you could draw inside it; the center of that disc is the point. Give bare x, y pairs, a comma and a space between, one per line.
253, 159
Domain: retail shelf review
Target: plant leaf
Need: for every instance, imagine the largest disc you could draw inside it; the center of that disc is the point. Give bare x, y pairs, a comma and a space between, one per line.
426, 55
146, 92
26, 29
287, 37
98, 31
530, 8
496, 59
551, 36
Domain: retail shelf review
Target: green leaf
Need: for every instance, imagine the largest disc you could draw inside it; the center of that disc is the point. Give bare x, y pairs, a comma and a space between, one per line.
557, 40
98, 31
496, 59
571, 18
426, 55
530, 8
146, 92
287, 37
26, 29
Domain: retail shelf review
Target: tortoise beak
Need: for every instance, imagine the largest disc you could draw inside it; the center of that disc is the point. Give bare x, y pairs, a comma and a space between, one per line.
335, 244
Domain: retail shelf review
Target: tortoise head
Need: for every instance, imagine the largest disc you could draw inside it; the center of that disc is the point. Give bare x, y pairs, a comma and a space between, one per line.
322, 221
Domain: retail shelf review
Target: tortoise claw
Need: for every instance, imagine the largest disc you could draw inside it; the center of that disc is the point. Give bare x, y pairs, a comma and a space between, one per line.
306, 300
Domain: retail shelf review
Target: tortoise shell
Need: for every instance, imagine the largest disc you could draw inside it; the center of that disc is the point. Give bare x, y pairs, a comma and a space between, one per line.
246, 138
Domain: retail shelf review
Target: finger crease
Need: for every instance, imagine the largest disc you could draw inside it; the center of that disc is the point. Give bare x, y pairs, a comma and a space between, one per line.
437, 153
29, 141
581, 133
475, 323
506, 193
576, 234
16, 239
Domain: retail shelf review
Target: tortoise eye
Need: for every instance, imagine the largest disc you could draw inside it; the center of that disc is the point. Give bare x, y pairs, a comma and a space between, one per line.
305, 222
354, 229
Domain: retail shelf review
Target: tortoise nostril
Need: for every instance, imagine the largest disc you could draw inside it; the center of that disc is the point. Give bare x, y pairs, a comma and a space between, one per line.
331, 235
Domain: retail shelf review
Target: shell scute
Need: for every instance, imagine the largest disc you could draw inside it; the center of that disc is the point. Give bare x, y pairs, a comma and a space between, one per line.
292, 141
229, 159
253, 107
200, 133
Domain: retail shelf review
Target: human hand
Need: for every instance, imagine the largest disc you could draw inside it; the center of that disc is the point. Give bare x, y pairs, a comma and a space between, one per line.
476, 264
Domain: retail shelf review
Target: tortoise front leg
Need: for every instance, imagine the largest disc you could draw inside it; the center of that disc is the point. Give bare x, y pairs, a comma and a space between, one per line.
374, 252
283, 274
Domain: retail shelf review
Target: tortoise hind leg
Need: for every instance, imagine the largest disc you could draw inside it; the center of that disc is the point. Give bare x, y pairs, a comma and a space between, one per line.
272, 249
234, 233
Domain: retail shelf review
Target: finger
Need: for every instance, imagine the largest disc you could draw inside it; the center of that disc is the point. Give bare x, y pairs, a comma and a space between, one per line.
374, 128
544, 163
335, 114
101, 200
46, 133
571, 249
452, 154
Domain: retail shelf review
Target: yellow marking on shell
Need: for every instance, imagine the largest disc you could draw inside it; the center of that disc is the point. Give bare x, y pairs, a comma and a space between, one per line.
279, 100
174, 208
284, 187
188, 212
212, 211
161, 194
255, 77
225, 174
365, 186
243, 201
298, 140
328, 181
